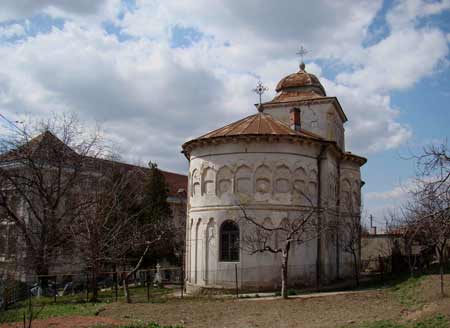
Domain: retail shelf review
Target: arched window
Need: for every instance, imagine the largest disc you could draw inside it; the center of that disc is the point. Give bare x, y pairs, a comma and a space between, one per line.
229, 242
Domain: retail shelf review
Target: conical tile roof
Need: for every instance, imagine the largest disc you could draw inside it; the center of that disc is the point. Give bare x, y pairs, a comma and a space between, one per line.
260, 124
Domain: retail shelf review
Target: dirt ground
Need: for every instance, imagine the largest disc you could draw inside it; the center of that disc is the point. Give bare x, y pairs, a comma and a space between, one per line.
324, 312
332, 311
68, 322
405, 304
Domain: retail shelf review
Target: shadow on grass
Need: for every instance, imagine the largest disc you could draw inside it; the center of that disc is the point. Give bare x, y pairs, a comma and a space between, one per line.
76, 304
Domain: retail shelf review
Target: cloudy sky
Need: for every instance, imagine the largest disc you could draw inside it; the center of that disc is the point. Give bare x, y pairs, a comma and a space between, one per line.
156, 73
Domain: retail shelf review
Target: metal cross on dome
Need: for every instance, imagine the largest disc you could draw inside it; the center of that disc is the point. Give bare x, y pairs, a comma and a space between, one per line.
302, 52
260, 89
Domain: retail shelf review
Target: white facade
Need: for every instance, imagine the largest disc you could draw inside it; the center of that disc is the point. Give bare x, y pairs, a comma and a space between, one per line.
268, 174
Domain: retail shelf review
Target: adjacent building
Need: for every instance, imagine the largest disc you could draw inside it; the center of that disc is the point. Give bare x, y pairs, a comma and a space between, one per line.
49, 155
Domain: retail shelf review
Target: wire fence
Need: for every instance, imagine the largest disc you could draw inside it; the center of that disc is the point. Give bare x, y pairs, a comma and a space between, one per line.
155, 285
77, 287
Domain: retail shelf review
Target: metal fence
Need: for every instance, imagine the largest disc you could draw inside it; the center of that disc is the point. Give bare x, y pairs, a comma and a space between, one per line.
75, 287
153, 285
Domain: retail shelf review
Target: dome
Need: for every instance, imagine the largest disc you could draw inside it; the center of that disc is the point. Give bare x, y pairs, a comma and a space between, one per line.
257, 125
300, 79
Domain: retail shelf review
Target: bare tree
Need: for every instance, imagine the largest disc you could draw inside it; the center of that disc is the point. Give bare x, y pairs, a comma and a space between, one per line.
432, 211
106, 230
115, 230
350, 239
292, 231
42, 168
430, 206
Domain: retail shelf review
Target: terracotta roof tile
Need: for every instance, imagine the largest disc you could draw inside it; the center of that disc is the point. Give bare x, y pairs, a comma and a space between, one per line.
258, 124
47, 147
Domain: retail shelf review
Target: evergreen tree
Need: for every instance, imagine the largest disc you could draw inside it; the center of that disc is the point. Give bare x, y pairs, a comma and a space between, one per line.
156, 207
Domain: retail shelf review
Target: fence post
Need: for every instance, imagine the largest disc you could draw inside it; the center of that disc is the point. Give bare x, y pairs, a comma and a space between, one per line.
116, 282
236, 275
148, 285
87, 287
182, 280
54, 290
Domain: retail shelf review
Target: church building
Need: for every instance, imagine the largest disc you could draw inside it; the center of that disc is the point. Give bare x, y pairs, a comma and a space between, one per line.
294, 145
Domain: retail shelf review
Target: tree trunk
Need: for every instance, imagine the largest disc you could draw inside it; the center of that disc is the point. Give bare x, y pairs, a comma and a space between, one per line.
356, 268
94, 286
42, 271
126, 291
127, 275
441, 273
284, 270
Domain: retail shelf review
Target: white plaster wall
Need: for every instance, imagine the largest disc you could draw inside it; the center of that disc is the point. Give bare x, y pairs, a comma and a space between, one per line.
214, 198
320, 118
210, 206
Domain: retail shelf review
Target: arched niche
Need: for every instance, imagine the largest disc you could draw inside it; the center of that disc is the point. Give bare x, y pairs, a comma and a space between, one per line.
312, 191
312, 185
195, 183
224, 181
282, 179
263, 179
346, 193
208, 181
356, 195
283, 232
197, 252
243, 179
210, 251
300, 180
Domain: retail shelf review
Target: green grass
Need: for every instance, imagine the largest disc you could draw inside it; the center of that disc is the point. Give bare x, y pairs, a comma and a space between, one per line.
52, 310
438, 321
408, 292
69, 305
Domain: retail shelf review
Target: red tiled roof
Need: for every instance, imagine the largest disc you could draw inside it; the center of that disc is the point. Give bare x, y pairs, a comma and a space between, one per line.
257, 124
175, 182
47, 146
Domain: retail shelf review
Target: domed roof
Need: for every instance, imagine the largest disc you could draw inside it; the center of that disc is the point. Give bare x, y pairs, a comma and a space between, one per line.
298, 80
260, 124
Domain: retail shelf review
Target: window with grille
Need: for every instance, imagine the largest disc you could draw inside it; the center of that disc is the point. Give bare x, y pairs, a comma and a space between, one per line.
229, 242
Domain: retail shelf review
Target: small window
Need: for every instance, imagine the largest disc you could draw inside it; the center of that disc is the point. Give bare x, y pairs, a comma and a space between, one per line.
229, 242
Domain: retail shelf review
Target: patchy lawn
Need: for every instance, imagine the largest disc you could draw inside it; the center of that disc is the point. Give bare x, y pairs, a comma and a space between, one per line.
53, 310
413, 303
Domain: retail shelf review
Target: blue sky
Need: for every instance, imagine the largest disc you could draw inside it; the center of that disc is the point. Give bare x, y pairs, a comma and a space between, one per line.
156, 73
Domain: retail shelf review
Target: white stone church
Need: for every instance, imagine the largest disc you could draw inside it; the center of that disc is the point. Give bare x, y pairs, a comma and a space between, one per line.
293, 145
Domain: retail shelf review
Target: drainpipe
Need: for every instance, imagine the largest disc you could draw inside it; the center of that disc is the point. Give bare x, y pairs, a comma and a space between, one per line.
186, 272
319, 216
338, 217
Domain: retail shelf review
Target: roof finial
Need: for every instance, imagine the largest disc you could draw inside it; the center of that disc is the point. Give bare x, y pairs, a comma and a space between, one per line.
260, 89
302, 52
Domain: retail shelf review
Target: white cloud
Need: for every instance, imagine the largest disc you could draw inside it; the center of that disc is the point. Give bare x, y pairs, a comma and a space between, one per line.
11, 31
151, 98
372, 125
18, 9
400, 60
398, 192
406, 12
